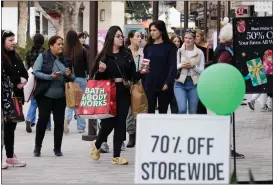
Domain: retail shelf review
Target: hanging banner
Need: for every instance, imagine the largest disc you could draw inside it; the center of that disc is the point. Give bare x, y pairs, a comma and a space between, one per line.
253, 46
101, 39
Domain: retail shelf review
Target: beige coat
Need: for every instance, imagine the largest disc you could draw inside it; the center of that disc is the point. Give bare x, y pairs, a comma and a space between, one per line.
194, 58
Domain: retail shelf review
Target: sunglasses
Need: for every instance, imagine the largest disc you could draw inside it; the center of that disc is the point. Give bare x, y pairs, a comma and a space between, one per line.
190, 30
6, 32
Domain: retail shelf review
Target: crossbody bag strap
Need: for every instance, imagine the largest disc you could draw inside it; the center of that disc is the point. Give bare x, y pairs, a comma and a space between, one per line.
119, 70
138, 62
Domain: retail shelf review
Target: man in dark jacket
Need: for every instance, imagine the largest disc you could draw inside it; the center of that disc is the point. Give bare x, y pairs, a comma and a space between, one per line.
31, 57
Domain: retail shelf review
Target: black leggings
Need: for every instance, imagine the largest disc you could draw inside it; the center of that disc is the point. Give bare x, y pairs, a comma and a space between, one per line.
9, 129
117, 123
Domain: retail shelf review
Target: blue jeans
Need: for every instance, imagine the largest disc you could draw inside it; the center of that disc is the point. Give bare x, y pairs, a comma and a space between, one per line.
81, 124
31, 114
186, 94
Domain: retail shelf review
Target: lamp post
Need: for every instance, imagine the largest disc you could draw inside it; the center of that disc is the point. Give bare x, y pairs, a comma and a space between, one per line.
218, 16
93, 49
155, 10
206, 18
181, 22
186, 14
28, 20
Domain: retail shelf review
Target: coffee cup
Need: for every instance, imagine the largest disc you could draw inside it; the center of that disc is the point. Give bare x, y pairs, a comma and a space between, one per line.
145, 64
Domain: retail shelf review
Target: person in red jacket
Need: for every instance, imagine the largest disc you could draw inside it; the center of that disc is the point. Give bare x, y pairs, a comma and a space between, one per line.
224, 54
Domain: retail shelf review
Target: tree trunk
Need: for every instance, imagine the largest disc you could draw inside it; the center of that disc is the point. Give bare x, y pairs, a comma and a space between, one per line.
67, 17
60, 28
75, 15
59, 25
22, 27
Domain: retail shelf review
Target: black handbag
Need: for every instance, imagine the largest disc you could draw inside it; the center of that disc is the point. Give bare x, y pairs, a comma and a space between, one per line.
17, 114
178, 72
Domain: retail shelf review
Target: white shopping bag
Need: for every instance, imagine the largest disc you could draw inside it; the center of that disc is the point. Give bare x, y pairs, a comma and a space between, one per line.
30, 86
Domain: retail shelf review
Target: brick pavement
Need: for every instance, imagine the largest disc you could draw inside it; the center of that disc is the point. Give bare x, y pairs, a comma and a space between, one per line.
253, 138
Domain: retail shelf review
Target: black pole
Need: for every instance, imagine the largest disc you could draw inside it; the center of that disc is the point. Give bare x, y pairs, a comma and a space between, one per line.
2, 5
181, 21
218, 18
206, 17
93, 50
229, 13
155, 10
28, 21
186, 14
234, 143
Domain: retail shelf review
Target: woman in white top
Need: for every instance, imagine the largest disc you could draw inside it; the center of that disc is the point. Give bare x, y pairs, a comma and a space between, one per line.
133, 43
190, 63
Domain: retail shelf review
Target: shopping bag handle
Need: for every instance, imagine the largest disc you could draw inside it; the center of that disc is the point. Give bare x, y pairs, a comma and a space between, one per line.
94, 76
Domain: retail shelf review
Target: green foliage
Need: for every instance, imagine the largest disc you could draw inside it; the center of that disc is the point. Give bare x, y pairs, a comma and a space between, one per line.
29, 44
140, 10
233, 179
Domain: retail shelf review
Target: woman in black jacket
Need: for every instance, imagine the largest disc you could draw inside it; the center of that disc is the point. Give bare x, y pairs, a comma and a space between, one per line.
15, 69
116, 63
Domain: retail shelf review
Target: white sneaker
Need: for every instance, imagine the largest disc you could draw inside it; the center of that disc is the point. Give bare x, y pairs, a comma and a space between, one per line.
15, 162
66, 126
81, 130
4, 165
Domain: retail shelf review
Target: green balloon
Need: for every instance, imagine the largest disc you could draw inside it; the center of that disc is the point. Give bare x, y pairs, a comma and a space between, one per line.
221, 88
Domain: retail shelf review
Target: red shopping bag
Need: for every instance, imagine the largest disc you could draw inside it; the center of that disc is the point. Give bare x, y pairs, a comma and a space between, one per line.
98, 100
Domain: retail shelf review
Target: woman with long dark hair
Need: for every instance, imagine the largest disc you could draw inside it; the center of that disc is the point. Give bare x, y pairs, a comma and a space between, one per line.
52, 71
78, 55
162, 55
115, 62
15, 69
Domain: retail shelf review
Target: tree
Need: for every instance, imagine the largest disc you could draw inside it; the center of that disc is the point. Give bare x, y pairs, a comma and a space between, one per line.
59, 25
23, 18
68, 11
138, 10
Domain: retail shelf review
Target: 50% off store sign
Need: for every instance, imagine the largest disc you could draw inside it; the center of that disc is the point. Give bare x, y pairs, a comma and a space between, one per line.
182, 149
